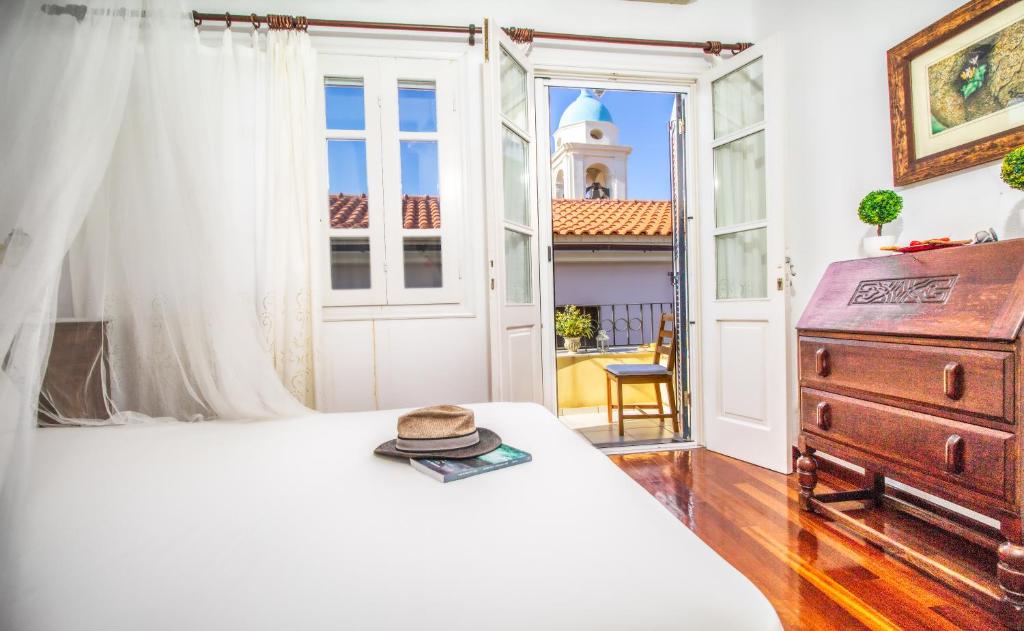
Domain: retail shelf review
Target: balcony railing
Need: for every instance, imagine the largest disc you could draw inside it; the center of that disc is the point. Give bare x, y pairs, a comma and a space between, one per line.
627, 324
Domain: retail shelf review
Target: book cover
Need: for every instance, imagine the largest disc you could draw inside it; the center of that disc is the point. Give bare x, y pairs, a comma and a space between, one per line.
450, 470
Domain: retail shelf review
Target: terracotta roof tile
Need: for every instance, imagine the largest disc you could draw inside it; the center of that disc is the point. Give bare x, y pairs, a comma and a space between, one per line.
602, 217
418, 211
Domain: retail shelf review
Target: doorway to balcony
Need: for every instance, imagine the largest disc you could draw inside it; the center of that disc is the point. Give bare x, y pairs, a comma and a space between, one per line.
616, 165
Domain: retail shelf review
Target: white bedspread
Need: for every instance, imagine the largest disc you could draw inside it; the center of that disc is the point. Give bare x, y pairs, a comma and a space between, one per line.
295, 524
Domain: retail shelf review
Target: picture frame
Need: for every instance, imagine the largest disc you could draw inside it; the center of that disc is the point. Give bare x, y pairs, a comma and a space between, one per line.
956, 94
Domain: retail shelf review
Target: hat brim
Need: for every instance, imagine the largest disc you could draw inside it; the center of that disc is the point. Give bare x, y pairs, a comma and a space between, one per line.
489, 441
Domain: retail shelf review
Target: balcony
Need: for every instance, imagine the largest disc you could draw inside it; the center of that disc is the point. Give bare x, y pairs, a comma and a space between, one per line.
582, 394
627, 324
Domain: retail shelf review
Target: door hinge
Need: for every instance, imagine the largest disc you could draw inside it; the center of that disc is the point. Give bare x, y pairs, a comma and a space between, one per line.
492, 284
686, 399
549, 254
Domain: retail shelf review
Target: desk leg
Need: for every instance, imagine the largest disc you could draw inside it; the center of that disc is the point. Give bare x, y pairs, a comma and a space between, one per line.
1010, 572
807, 474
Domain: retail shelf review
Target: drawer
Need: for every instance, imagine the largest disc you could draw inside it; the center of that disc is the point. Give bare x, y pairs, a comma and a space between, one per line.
969, 380
976, 457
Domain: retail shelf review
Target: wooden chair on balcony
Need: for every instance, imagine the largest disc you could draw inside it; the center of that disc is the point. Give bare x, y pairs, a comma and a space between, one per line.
654, 374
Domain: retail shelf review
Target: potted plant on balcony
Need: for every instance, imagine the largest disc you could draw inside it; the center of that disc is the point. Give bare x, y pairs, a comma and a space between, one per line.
573, 325
877, 209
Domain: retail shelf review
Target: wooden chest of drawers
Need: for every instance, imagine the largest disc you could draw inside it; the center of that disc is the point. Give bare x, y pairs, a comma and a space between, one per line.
910, 367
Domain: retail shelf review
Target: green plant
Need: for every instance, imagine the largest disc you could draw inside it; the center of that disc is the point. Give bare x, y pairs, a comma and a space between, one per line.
571, 322
1013, 169
879, 208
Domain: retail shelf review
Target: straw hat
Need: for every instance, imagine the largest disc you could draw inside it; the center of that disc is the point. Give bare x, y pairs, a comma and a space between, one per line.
440, 431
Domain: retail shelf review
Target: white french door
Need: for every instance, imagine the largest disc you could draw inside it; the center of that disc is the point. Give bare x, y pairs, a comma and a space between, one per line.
516, 360
745, 288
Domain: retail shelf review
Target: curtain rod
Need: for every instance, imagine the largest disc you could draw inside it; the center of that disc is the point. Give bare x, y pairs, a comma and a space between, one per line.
710, 47
303, 22
520, 35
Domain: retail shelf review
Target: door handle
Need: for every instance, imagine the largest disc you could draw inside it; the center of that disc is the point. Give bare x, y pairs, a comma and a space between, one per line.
953, 380
954, 454
822, 362
823, 416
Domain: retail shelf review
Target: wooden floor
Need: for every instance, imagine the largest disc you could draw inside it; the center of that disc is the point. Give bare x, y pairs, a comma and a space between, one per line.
815, 574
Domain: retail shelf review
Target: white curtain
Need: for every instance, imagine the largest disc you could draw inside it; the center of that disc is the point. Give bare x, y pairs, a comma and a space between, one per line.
178, 179
290, 198
197, 252
63, 86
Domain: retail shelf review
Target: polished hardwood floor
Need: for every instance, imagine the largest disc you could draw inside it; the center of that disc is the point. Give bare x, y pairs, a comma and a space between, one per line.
817, 575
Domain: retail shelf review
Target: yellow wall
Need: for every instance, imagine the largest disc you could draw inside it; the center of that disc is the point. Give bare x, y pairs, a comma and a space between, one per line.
581, 380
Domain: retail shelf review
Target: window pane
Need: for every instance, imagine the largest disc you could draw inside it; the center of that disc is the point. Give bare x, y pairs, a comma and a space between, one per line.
421, 206
518, 280
350, 263
742, 264
516, 178
513, 90
422, 261
346, 166
739, 181
738, 98
343, 103
417, 106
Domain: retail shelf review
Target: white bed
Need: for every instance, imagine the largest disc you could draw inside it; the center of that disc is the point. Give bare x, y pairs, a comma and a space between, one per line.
295, 524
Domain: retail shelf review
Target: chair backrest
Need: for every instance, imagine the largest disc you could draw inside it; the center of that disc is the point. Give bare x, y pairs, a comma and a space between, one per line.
665, 343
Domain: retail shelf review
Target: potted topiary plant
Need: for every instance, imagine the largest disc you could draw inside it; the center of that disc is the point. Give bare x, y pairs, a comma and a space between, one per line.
877, 209
1013, 169
573, 325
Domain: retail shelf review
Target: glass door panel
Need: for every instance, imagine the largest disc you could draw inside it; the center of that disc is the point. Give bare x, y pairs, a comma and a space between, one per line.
741, 261
738, 99
518, 272
740, 200
739, 181
515, 175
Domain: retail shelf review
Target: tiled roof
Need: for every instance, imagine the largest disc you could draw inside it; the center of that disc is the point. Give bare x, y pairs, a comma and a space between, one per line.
418, 211
601, 217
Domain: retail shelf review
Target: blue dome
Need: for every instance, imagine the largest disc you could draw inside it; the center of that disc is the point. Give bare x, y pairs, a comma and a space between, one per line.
586, 107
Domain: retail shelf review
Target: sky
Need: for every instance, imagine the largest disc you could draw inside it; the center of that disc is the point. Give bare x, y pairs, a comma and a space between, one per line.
642, 119
346, 159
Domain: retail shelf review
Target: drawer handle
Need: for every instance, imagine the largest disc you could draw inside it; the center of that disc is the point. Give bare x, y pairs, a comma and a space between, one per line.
953, 380
822, 362
823, 416
954, 454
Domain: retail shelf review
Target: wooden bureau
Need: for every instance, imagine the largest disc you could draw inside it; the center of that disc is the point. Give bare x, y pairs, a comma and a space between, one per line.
910, 367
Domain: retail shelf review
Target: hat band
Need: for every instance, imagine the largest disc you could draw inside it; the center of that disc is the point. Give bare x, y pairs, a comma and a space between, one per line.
437, 444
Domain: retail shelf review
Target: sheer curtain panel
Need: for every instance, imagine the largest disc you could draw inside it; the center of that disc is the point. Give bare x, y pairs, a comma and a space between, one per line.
162, 185
196, 256
63, 87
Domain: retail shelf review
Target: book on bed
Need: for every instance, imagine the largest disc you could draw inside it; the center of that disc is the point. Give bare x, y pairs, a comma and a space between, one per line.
447, 470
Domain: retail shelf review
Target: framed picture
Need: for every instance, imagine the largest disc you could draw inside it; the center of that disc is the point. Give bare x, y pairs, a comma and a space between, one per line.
956, 91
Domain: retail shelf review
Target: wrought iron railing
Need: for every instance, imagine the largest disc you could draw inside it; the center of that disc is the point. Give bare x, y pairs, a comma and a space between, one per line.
626, 324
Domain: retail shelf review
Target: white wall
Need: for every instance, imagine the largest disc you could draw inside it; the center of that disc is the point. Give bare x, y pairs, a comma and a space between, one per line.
838, 145
603, 283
